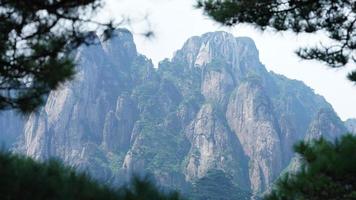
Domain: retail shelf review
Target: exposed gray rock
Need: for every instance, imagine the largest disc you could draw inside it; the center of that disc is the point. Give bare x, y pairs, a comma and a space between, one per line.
217, 85
326, 124
88, 116
213, 146
118, 125
351, 125
251, 117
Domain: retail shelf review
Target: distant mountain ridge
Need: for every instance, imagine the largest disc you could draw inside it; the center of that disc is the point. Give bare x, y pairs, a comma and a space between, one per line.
213, 108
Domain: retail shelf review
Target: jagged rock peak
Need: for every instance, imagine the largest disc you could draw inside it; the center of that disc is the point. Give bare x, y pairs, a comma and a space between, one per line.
118, 35
199, 51
122, 34
121, 45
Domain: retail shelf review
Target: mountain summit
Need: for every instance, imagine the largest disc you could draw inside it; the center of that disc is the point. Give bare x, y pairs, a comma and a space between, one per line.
211, 112
198, 51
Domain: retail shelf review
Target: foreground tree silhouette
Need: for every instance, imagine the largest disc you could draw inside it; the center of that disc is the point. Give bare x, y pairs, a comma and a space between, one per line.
328, 172
36, 38
336, 18
23, 178
217, 185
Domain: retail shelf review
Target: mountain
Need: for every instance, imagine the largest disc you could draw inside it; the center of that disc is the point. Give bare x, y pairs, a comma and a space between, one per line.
213, 111
351, 125
11, 128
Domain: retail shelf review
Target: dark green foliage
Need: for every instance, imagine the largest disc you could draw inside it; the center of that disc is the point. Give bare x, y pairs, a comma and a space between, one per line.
37, 37
186, 80
336, 18
143, 189
218, 186
328, 171
23, 178
162, 146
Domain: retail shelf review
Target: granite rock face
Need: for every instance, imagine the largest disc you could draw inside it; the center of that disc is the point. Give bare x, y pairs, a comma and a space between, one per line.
89, 118
214, 146
250, 115
213, 106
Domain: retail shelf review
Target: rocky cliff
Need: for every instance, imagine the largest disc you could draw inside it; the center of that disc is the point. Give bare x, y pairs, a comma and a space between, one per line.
351, 125
213, 106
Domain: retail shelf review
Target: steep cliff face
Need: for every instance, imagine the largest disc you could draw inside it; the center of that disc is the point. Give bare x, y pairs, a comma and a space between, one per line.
213, 106
214, 146
325, 124
88, 122
250, 115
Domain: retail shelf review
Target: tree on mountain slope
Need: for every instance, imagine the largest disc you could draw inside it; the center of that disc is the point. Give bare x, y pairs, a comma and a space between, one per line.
37, 37
217, 185
327, 172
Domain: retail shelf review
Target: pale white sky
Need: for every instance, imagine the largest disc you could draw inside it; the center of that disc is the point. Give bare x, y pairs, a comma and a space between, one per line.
174, 21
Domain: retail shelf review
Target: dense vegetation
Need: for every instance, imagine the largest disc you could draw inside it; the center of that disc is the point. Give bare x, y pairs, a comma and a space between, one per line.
328, 171
24, 178
217, 185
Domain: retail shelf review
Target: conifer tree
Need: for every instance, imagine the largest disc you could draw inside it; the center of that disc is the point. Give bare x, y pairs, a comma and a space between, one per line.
23, 178
37, 38
335, 18
327, 172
